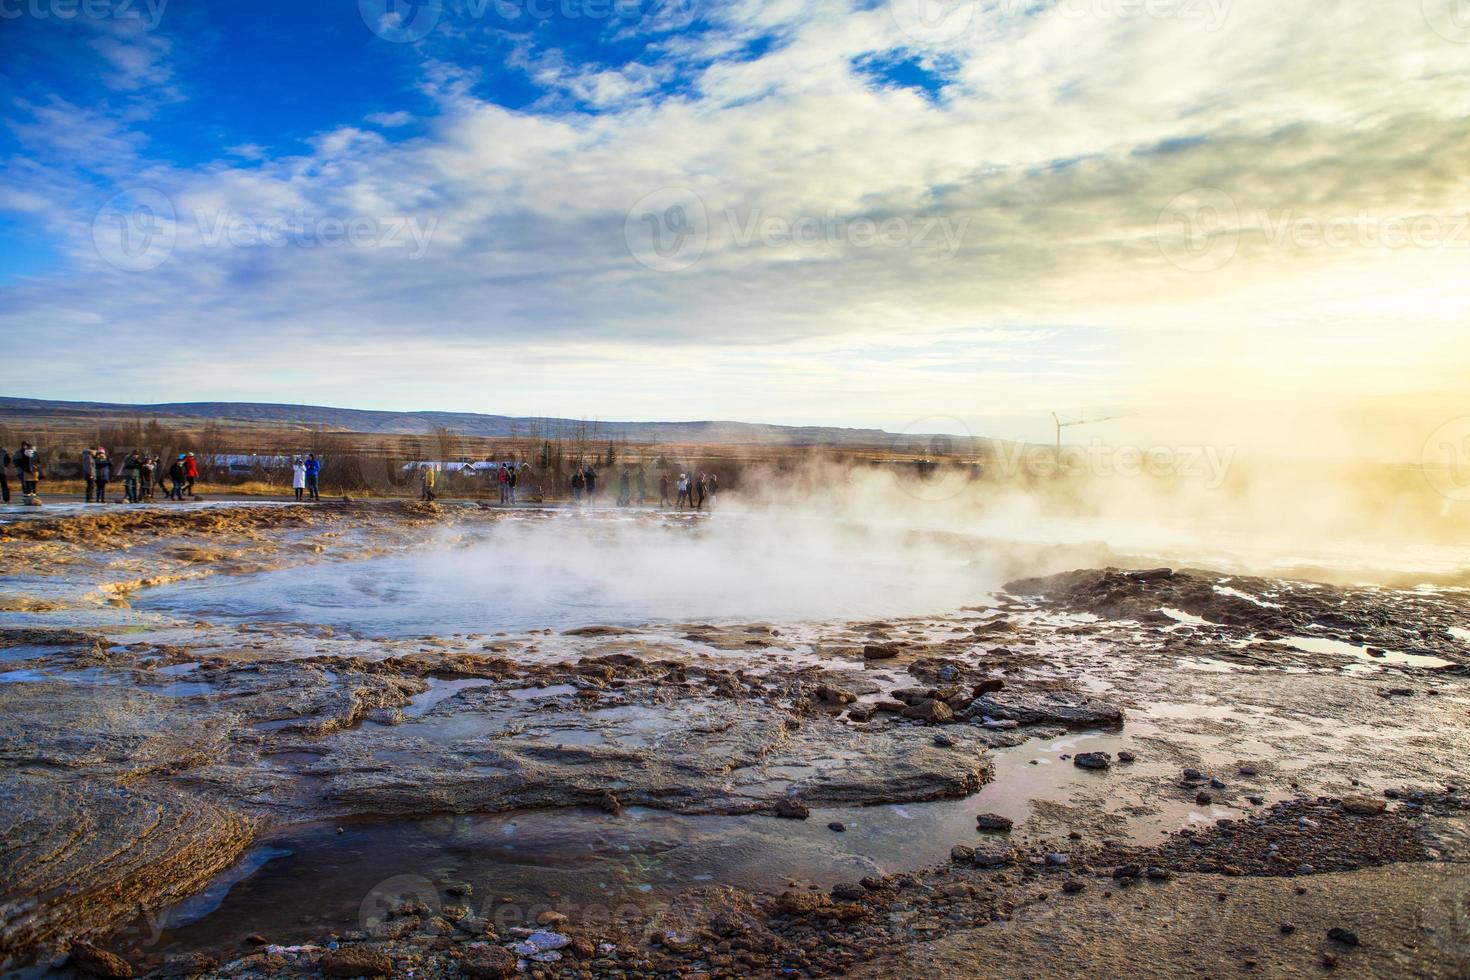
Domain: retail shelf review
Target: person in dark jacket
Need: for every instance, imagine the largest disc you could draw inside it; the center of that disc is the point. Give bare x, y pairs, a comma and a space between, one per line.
578, 482
147, 471
176, 479
313, 477
4, 477
89, 471
131, 468
590, 477
103, 470
28, 468
699, 491
663, 490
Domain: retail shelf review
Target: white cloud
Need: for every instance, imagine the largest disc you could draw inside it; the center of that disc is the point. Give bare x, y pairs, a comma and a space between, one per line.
1061, 137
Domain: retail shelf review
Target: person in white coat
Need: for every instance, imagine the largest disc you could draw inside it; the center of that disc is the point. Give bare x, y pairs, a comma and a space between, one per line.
298, 476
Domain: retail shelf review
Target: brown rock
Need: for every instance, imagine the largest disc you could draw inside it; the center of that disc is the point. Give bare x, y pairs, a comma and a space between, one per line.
99, 962
490, 962
801, 903
1364, 805
930, 711
880, 651
791, 809
356, 961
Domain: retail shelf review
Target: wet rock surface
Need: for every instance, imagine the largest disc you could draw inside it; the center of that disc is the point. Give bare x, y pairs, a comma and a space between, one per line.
148, 757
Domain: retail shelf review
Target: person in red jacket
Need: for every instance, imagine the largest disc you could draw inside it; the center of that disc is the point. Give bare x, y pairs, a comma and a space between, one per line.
191, 473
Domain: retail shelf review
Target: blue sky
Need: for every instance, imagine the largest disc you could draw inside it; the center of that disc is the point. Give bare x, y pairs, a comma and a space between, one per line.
835, 211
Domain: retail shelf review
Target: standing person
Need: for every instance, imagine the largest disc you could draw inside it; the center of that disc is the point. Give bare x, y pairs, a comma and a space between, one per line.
591, 477
503, 478
642, 488
577, 484
683, 487
131, 467
713, 485
176, 479
700, 488
4, 477
102, 470
298, 477
625, 489
28, 468
191, 472
511, 479
89, 471
663, 490
428, 482
146, 475
313, 477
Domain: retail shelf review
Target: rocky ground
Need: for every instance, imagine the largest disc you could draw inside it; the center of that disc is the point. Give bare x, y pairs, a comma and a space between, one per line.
1168, 763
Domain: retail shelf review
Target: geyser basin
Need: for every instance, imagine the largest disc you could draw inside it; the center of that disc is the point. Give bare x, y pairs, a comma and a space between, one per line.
575, 569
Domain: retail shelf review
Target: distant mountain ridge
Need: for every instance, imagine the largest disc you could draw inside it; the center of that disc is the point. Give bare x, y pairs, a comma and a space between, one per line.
472, 423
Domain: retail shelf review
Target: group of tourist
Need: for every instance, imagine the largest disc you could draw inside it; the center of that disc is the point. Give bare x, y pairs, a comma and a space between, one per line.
141, 473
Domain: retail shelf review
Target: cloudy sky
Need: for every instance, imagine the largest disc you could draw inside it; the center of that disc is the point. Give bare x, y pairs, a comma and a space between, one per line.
1238, 220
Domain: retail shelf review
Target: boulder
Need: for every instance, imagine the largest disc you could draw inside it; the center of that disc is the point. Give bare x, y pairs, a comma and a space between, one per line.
931, 711
1071, 709
1093, 760
1364, 806
792, 810
488, 963
99, 962
356, 961
993, 823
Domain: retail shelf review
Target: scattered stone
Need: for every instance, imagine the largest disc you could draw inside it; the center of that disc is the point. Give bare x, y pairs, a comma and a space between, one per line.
488, 963
1126, 756
993, 823
931, 711
1256, 800
1216, 784
1192, 774
1364, 805
943, 741
1072, 886
960, 854
356, 961
1154, 873
989, 686
1203, 798
880, 651
1093, 760
1341, 935
1248, 771
837, 826
99, 962
849, 892
1287, 928
552, 919
790, 809
1126, 871
801, 903
1056, 860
